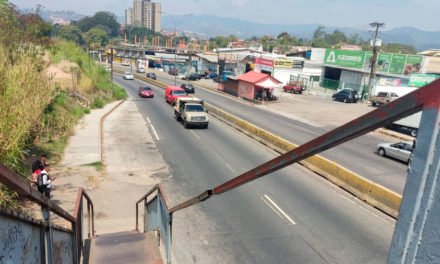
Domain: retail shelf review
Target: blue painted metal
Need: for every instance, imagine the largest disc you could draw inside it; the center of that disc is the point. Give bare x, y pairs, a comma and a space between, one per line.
20, 238
62, 247
152, 215
417, 233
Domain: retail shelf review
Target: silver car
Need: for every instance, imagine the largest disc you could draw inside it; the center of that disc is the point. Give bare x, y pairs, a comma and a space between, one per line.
400, 150
128, 76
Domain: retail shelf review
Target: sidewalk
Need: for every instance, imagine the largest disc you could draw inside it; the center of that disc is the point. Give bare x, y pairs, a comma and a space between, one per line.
132, 166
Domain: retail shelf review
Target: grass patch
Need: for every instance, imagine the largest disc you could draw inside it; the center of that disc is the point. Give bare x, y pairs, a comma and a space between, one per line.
97, 165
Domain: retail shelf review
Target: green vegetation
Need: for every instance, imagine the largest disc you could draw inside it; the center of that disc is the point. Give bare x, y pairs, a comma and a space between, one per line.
98, 165
37, 113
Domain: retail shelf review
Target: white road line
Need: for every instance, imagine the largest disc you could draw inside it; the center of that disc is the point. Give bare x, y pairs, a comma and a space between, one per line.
148, 119
279, 209
194, 133
229, 166
271, 207
154, 131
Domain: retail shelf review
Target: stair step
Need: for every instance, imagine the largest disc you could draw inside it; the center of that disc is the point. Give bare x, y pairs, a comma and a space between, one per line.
125, 247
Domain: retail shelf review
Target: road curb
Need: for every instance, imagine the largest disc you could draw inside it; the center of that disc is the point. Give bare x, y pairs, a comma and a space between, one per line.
394, 134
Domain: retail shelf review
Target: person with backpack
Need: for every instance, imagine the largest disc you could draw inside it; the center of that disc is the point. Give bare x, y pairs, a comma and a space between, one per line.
37, 167
44, 181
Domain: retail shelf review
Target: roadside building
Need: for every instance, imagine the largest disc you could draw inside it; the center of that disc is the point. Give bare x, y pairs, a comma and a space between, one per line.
258, 86
144, 14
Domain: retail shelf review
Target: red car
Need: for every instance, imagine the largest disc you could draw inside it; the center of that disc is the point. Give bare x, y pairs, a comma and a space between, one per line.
145, 91
294, 87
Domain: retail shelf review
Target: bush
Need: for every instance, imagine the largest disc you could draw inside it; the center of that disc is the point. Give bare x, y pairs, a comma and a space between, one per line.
119, 93
86, 111
97, 103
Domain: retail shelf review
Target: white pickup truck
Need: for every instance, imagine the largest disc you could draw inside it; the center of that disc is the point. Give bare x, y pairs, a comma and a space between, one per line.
191, 112
383, 98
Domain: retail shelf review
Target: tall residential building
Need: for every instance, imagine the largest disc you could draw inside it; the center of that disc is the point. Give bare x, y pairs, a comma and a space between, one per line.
129, 17
144, 14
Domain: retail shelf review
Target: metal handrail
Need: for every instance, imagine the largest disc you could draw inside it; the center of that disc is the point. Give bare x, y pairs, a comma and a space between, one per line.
25, 190
144, 198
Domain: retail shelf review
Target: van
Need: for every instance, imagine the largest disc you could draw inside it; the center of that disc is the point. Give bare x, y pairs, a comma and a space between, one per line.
174, 92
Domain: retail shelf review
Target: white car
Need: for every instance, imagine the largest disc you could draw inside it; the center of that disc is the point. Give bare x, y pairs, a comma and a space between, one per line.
125, 63
140, 70
400, 150
128, 76
180, 76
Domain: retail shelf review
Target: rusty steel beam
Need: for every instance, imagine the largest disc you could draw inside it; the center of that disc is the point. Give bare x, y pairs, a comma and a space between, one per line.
25, 190
427, 96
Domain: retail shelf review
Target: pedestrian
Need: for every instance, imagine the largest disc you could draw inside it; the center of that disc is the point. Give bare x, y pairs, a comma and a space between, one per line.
37, 167
44, 181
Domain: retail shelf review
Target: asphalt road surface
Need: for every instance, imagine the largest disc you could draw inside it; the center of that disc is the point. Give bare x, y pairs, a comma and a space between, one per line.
358, 155
291, 216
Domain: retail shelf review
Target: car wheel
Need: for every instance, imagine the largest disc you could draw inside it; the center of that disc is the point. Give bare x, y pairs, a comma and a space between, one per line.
345, 100
185, 124
205, 126
300, 92
414, 132
381, 152
284, 89
373, 104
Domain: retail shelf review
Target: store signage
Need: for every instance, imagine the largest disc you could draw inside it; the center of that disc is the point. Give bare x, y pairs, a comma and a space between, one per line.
419, 80
345, 58
280, 63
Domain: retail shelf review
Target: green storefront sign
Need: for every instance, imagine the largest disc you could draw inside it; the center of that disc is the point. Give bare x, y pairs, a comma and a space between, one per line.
345, 58
419, 80
383, 62
397, 63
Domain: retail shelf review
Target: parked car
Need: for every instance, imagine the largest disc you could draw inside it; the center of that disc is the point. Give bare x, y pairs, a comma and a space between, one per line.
181, 76
294, 87
346, 96
383, 98
125, 63
146, 91
140, 70
192, 77
401, 150
128, 76
189, 88
174, 92
212, 75
172, 72
151, 75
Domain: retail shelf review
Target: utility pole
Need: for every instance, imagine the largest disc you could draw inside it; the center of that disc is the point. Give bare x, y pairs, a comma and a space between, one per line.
375, 52
111, 72
175, 56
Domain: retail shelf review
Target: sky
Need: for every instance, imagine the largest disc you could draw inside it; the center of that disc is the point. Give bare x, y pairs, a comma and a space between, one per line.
422, 14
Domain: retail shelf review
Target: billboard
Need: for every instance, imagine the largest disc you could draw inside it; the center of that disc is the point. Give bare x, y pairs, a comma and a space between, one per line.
419, 80
382, 64
280, 63
345, 58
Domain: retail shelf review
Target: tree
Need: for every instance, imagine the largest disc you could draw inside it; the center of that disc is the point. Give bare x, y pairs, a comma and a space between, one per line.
320, 43
319, 33
96, 35
103, 20
71, 33
399, 48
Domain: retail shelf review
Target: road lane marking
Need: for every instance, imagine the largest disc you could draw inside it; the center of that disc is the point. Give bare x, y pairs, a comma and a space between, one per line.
229, 166
279, 209
194, 133
271, 207
148, 119
154, 131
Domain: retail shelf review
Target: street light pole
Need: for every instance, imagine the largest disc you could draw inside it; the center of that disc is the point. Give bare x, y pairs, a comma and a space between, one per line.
373, 63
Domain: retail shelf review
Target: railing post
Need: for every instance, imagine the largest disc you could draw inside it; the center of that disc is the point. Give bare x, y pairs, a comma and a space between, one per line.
145, 215
47, 235
74, 244
169, 239
416, 236
89, 223
137, 215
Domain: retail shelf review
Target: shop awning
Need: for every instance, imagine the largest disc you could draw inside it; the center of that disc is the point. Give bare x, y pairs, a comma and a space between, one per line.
269, 83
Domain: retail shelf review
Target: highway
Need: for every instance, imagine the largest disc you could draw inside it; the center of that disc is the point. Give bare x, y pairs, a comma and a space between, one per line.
357, 155
291, 216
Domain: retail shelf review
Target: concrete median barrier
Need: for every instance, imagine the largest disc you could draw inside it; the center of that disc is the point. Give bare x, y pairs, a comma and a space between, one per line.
374, 194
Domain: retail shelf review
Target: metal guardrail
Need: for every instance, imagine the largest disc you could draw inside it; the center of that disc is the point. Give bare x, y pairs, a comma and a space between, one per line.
27, 240
407, 246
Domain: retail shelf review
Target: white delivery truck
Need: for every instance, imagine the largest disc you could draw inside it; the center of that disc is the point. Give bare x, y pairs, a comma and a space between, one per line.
410, 123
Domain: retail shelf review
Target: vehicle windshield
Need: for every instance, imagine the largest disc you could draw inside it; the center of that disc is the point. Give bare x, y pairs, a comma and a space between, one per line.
382, 94
146, 89
128, 73
194, 108
188, 85
179, 93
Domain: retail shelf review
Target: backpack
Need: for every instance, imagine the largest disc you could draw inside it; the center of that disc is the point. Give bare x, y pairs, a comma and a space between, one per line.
40, 180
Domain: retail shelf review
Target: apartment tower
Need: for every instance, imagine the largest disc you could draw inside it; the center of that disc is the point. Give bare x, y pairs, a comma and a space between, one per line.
144, 14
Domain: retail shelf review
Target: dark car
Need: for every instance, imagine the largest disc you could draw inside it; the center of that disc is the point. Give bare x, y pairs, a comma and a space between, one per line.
145, 91
346, 96
151, 75
172, 72
189, 88
212, 75
192, 77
